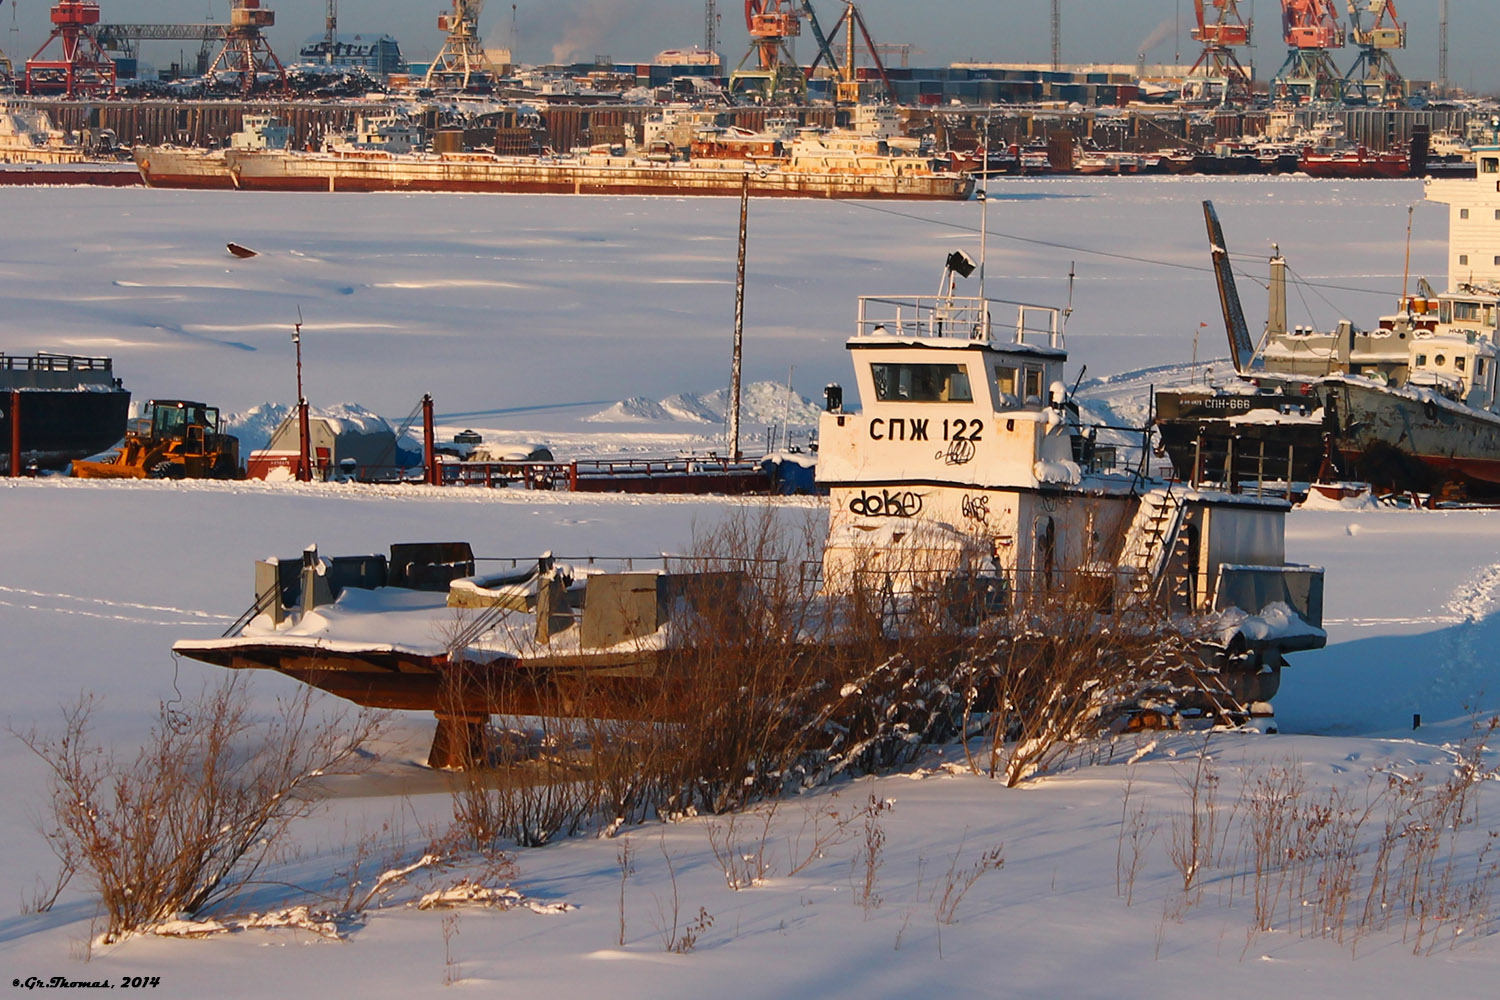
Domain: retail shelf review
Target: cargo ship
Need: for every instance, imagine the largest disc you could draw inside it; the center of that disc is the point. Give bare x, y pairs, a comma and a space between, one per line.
189, 167
258, 159
847, 176
58, 407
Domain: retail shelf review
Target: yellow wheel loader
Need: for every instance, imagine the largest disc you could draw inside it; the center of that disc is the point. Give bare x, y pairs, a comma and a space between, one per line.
176, 439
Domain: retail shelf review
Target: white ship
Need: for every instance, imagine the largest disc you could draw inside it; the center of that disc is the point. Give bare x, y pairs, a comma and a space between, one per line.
966, 459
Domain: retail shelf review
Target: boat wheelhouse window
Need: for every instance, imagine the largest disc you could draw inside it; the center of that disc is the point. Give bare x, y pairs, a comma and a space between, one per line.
1421, 360
1445, 312
1489, 165
1005, 379
920, 383
1463, 213
1466, 311
1439, 360
1033, 385
1460, 362
1479, 368
1463, 258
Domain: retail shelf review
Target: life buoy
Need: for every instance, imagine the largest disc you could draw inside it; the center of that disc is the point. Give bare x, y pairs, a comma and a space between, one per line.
1431, 409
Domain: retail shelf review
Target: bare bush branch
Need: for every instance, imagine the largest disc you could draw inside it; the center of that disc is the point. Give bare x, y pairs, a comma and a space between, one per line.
204, 803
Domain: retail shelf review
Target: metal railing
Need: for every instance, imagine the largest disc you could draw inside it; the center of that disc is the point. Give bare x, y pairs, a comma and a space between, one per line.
53, 363
956, 317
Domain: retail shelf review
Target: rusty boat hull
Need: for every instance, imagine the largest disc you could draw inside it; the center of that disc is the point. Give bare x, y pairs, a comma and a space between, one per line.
1413, 439
171, 167
262, 170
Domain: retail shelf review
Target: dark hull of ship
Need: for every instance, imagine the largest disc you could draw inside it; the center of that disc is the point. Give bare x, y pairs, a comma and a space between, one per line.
80, 174
1206, 437
59, 425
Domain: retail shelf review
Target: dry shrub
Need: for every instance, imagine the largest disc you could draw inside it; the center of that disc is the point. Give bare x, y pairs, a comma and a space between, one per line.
766, 685
1059, 669
204, 803
527, 791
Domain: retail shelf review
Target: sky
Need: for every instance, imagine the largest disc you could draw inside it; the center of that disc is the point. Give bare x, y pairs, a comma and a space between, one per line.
941, 31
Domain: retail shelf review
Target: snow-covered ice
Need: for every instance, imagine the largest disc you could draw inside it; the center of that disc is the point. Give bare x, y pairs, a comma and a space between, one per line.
524, 316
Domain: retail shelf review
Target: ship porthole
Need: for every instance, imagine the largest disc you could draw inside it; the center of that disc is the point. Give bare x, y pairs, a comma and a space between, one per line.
1431, 408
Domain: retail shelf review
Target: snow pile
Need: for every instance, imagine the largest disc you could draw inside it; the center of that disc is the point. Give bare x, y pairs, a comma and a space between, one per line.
255, 426
762, 404
634, 409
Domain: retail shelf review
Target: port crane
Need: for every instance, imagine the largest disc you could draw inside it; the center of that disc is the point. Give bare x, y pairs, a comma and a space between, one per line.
1312, 30
772, 25
83, 70
1218, 77
847, 87
1374, 78
462, 64
245, 51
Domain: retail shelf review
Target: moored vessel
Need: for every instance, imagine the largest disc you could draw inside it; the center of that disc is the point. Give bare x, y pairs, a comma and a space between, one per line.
967, 460
833, 176
1410, 406
190, 167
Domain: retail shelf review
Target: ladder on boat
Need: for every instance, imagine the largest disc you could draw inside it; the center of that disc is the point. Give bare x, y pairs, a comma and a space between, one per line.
1150, 539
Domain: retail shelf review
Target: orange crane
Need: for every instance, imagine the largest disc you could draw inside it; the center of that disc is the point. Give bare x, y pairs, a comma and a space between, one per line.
771, 23
1311, 29
1374, 78
1217, 77
84, 70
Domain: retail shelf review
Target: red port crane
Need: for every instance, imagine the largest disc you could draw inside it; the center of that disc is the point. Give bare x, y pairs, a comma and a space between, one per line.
1311, 29
771, 23
84, 70
1374, 78
1217, 77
